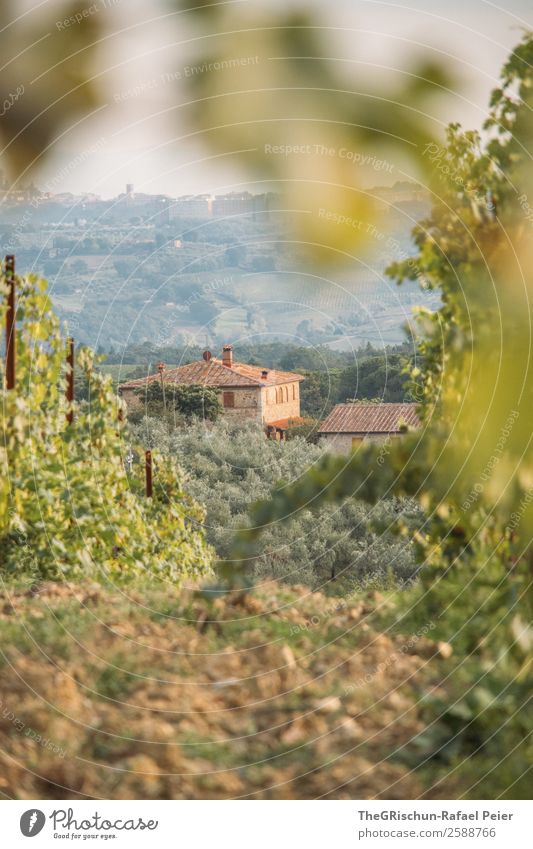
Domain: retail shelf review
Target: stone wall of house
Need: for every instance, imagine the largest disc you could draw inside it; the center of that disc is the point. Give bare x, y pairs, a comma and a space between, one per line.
131, 399
257, 403
281, 409
247, 403
345, 443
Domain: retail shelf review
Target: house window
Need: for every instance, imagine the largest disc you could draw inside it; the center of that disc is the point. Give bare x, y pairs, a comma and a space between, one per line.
294, 392
228, 399
356, 440
286, 393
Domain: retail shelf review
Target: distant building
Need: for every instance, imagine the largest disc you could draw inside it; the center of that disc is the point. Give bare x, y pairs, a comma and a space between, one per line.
191, 206
349, 424
264, 395
244, 203
238, 203
221, 206
12, 196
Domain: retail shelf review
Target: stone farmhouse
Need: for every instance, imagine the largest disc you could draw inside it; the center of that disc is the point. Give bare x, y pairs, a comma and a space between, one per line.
265, 395
349, 424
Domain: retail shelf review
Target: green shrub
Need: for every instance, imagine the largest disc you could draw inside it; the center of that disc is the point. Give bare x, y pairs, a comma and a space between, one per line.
187, 401
67, 505
471, 465
231, 466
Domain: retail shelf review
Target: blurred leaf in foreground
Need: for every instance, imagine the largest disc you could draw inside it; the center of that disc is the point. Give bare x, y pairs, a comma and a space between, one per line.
265, 89
48, 77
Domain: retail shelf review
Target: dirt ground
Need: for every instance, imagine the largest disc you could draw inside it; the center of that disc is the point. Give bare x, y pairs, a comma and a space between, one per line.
153, 693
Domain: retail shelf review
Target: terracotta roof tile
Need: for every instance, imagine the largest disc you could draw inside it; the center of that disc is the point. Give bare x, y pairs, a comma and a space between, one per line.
213, 373
360, 417
291, 421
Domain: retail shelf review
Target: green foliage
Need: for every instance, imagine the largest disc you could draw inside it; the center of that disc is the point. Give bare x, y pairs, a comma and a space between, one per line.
67, 506
231, 466
472, 382
305, 430
485, 711
235, 255
477, 724
471, 466
319, 393
277, 354
190, 401
380, 377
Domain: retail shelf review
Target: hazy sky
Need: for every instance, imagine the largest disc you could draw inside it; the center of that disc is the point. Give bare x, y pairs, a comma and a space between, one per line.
133, 140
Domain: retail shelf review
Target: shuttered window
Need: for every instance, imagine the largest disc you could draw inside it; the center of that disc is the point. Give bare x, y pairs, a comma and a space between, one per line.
228, 399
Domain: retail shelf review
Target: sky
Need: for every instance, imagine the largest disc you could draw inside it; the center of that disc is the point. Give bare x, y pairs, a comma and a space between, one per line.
136, 139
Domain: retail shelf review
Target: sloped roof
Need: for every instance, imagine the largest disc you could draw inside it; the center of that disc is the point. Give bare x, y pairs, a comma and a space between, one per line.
361, 417
214, 373
287, 423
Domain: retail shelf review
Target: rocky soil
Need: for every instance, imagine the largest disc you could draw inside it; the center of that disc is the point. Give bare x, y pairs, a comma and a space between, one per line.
150, 693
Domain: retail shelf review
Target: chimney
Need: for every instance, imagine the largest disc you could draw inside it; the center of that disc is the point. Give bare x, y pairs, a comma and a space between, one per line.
227, 356
264, 374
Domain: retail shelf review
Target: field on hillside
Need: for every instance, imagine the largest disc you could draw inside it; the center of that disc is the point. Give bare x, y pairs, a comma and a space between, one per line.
232, 303
150, 693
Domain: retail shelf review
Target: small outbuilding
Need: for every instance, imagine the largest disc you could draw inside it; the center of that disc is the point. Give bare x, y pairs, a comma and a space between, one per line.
349, 424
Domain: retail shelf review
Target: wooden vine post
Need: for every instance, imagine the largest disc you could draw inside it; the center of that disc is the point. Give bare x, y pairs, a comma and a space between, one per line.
161, 368
148, 473
10, 323
70, 380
